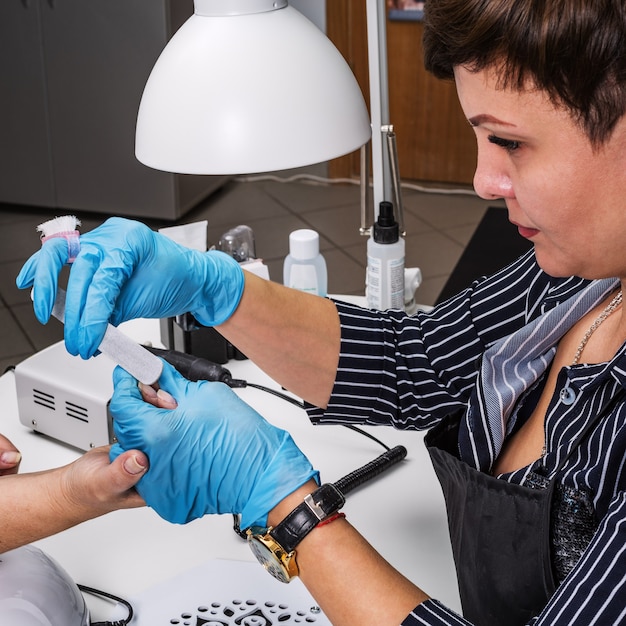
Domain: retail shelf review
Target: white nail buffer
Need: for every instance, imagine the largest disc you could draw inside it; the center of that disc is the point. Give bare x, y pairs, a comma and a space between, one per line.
135, 359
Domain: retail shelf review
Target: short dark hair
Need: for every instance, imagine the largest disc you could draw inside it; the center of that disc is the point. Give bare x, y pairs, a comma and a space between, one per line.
574, 50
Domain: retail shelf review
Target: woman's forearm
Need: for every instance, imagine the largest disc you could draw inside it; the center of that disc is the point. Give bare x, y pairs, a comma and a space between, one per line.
293, 336
351, 582
32, 507
40, 504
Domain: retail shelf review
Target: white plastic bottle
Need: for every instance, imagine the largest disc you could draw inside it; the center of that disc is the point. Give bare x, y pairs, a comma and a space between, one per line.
305, 267
385, 262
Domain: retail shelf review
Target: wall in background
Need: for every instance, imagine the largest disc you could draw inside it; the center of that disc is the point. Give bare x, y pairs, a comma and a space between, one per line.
315, 10
435, 142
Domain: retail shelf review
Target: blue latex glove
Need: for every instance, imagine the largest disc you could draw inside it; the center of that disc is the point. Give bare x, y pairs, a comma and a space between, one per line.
212, 454
125, 270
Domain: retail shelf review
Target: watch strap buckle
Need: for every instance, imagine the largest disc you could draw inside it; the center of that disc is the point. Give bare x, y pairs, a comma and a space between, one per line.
325, 501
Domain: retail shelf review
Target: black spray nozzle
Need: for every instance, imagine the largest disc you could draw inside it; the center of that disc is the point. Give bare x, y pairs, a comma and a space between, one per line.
386, 229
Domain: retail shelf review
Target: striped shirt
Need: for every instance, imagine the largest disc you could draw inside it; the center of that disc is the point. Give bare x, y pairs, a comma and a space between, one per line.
413, 372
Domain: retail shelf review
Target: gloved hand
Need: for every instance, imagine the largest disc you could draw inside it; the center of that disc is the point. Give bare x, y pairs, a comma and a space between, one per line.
212, 454
125, 270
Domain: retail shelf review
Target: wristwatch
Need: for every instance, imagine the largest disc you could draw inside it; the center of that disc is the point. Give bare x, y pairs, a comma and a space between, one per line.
275, 547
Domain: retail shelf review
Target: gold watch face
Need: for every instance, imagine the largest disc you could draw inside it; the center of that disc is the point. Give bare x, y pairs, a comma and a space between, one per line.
283, 569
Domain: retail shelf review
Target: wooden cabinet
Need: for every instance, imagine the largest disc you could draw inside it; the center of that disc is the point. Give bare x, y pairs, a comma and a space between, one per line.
435, 141
72, 74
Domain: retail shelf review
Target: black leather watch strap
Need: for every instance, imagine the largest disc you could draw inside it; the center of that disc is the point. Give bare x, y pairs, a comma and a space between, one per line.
316, 507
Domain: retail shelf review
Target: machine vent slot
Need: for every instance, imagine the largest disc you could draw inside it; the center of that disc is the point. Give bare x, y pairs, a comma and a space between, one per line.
44, 399
77, 412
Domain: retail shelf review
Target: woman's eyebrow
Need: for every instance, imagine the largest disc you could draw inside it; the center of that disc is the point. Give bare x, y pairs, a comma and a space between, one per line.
477, 120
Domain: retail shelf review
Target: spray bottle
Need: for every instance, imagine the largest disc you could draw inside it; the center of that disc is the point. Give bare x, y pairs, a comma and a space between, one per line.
385, 262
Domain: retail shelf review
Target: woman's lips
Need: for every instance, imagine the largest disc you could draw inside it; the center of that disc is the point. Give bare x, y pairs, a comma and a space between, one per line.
527, 233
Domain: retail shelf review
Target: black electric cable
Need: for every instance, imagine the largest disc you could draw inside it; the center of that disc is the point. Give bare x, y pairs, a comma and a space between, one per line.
356, 429
275, 392
109, 596
196, 368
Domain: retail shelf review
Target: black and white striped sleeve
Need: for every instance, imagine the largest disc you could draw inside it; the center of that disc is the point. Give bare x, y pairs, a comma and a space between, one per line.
411, 371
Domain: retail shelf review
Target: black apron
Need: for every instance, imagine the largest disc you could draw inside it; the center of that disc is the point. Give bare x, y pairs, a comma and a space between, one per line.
500, 533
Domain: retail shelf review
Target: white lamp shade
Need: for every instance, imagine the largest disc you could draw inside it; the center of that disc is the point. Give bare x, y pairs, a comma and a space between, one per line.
235, 94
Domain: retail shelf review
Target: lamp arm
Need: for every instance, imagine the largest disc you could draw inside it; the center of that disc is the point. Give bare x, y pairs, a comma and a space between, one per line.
366, 195
379, 98
392, 151
384, 152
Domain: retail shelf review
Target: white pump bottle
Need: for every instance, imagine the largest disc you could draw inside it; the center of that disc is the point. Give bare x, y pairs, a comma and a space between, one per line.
385, 262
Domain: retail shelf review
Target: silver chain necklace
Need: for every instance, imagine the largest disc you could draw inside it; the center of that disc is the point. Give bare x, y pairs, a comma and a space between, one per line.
610, 308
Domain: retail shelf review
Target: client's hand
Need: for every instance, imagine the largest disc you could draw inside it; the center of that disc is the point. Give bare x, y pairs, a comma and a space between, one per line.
94, 485
125, 270
10, 457
34, 505
211, 454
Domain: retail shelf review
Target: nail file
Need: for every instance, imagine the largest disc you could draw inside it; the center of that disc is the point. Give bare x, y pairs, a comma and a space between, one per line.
134, 358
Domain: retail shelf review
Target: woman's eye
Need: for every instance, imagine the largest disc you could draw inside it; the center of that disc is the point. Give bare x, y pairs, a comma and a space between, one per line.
509, 145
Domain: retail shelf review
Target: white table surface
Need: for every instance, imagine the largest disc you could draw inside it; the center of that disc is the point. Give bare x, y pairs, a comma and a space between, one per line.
126, 552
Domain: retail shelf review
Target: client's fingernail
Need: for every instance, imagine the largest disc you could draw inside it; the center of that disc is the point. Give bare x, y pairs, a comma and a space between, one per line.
148, 392
133, 465
10, 457
166, 398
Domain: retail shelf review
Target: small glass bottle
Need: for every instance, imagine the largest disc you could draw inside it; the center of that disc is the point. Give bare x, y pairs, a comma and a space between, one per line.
305, 268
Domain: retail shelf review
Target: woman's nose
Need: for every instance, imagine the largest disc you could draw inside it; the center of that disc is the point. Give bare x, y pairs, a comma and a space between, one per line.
491, 181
